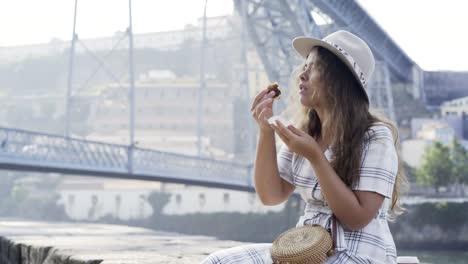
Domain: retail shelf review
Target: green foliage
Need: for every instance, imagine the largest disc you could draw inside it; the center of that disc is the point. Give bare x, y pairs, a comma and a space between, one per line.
451, 218
443, 165
460, 162
443, 214
158, 200
28, 118
41, 208
48, 75
410, 172
252, 227
432, 225
436, 169
30, 202
35, 76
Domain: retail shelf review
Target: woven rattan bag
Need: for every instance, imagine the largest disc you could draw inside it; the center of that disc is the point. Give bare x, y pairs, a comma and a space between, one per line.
311, 244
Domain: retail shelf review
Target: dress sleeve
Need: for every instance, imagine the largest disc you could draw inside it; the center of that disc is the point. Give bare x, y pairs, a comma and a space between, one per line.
379, 163
284, 159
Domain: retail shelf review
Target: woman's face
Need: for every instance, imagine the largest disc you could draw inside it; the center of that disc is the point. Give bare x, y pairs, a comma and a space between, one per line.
311, 87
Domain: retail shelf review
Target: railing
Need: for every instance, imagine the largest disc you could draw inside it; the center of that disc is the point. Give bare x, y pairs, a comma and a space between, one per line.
25, 150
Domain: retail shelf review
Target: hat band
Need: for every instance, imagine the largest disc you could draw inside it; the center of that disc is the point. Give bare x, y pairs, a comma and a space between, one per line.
356, 68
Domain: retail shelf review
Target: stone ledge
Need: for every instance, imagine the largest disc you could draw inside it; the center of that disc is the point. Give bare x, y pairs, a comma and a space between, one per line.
81, 243
31, 242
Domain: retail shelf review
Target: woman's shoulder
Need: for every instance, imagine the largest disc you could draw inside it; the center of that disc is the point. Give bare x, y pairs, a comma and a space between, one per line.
379, 131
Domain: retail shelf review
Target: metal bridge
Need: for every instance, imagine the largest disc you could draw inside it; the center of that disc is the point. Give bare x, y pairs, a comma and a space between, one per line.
273, 24
270, 26
32, 151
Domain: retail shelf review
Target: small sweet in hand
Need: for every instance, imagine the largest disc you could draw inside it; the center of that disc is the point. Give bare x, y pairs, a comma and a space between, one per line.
274, 87
272, 120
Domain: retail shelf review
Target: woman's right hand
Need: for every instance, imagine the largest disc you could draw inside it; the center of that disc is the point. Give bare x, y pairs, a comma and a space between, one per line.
262, 109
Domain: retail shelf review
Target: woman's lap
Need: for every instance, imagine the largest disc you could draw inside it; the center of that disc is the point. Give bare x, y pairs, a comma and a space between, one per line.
261, 254
248, 254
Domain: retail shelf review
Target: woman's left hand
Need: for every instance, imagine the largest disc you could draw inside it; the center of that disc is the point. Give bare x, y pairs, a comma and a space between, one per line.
297, 140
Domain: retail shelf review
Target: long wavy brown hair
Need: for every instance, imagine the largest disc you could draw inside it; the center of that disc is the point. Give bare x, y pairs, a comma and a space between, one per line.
348, 131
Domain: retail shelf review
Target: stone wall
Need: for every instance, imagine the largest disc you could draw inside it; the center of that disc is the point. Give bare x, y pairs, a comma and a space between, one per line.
18, 253
32, 242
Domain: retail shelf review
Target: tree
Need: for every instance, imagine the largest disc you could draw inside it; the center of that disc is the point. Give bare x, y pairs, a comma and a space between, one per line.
410, 172
158, 200
436, 169
460, 164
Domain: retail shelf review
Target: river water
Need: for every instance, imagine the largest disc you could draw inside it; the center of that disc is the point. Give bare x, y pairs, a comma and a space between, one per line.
437, 257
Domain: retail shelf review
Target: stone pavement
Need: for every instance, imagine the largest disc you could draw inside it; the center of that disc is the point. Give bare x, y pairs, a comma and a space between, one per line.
42, 242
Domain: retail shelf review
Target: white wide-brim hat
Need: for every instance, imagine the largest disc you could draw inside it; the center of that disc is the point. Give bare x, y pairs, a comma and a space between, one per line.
349, 48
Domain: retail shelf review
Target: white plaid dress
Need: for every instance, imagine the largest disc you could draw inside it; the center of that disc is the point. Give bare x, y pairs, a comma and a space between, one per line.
373, 243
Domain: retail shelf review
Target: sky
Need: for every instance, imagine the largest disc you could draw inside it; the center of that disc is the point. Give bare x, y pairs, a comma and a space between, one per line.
431, 32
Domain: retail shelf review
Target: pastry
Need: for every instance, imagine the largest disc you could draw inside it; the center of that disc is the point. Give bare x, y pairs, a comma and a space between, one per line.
274, 87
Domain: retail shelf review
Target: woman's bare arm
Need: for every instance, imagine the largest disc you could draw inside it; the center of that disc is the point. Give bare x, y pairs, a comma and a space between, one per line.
270, 187
354, 209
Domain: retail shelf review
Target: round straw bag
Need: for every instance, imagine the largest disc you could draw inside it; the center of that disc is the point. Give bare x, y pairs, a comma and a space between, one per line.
311, 244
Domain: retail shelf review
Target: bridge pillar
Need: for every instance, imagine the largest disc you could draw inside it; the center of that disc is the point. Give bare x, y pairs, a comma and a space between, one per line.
417, 86
380, 90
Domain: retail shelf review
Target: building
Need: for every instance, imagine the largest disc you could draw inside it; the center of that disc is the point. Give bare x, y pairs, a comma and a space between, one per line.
205, 200
442, 86
452, 124
166, 117
217, 28
95, 198
425, 132
456, 113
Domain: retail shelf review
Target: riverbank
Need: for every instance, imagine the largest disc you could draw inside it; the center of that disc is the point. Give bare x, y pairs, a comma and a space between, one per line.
438, 256
77, 243
427, 226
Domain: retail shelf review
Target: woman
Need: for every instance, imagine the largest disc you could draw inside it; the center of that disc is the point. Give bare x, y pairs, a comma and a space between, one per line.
341, 159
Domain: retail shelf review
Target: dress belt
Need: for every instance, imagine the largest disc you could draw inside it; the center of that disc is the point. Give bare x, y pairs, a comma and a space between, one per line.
313, 206
317, 206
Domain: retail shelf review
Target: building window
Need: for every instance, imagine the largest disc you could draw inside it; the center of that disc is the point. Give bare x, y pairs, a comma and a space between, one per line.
226, 198
178, 199
252, 197
202, 199
92, 211
141, 206
118, 203
94, 200
71, 199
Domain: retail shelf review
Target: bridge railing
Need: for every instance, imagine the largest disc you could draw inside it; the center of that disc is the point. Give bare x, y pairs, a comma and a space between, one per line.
39, 150
148, 161
46, 149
